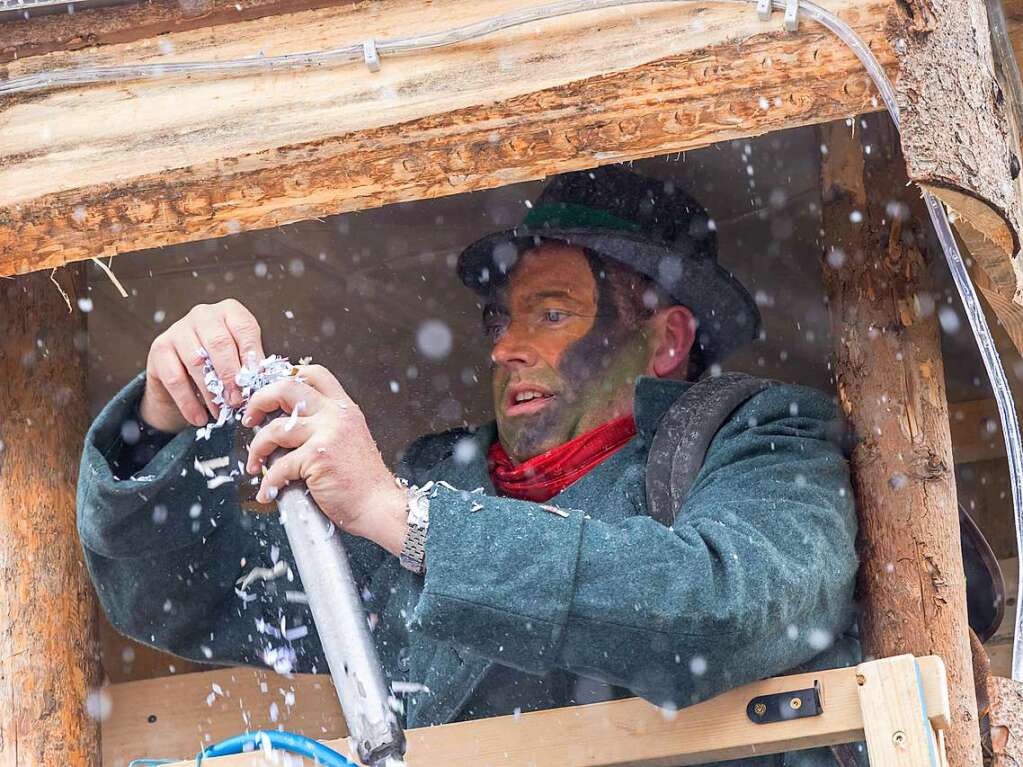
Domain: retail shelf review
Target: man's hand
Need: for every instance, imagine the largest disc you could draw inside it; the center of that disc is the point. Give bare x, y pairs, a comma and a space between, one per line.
331, 449
176, 394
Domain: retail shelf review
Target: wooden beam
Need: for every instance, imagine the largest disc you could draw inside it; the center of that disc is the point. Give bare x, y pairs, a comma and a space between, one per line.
49, 654
112, 25
106, 169
634, 732
174, 717
891, 386
956, 132
999, 647
895, 722
976, 431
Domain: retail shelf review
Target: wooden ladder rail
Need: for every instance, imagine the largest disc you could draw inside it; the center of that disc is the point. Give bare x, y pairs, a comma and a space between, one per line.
898, 705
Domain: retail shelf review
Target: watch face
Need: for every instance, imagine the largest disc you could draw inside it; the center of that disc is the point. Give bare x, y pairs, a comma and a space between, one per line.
418, 509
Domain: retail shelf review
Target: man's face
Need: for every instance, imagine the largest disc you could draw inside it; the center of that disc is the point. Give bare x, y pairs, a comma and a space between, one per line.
563, 362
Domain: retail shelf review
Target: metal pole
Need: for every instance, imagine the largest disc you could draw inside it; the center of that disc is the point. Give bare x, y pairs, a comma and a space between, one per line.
342, 627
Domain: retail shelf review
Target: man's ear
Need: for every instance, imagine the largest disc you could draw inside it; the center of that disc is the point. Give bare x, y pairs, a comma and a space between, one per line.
673, 332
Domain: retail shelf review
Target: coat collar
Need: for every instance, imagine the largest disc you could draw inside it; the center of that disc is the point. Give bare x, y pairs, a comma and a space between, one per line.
653, 397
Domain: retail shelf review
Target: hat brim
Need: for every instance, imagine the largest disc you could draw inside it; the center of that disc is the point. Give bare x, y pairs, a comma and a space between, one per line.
727, 315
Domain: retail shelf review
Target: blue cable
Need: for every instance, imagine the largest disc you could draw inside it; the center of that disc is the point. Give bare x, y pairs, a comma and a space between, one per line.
282, 741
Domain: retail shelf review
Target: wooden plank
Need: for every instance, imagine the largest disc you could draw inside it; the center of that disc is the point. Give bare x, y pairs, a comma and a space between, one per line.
87, 28
127, 660
49, 654
173, 717
106, 169
976, 431
633, 732
891, 386
999, 647
895, 719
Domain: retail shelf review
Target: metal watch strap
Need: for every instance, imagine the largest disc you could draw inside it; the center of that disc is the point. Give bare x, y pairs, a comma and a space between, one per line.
413, 552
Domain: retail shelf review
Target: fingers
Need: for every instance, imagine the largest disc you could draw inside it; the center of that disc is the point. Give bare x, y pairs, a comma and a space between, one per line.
228, 333
170, 373
283, 395
186, 347
280, 432
324, 382
218, 342
285, 469
245, 330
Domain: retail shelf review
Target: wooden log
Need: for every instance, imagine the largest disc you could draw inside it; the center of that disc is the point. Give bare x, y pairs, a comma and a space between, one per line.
1006, 698
891, 386
107, 169
957, 134
111, 25
634, 733
49, 655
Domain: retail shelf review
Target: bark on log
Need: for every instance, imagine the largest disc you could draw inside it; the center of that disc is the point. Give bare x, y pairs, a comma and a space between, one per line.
112, 168
956, 130
110, 25
1006, 698
49, 656
891, 386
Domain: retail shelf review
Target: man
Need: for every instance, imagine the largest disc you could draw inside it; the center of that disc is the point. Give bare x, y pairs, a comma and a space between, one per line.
539, 579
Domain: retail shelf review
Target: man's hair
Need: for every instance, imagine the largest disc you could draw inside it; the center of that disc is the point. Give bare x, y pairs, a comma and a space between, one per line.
636, 299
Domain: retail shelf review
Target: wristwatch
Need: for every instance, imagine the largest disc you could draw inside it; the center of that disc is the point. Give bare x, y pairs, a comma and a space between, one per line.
413, 553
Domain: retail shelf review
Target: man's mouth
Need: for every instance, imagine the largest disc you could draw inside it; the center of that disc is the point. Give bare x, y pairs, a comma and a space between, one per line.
525, 400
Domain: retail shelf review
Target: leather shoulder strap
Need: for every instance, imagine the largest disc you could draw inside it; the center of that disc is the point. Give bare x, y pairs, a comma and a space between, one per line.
685, 432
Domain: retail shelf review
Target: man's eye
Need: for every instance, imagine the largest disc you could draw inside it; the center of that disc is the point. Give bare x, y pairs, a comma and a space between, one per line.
495, 330
554, 316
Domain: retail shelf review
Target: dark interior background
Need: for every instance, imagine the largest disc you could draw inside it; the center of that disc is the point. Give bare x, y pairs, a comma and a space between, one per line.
373, 296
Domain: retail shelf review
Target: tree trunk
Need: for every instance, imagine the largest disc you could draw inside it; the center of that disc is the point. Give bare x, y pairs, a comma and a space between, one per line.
891, 386
956, 131
49, 662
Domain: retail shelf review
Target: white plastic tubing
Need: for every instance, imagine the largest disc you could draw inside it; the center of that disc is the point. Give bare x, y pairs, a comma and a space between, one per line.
368, 51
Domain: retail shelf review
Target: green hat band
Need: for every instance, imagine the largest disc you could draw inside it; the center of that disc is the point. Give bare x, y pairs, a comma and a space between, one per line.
568, 215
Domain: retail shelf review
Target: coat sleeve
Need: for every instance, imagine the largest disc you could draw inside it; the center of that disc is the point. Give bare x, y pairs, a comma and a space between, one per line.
165, 550
755, 577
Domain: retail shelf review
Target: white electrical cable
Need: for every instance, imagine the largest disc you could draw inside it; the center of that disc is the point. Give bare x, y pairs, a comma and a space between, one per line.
347, 53
309, 59
1003, 397
357, 51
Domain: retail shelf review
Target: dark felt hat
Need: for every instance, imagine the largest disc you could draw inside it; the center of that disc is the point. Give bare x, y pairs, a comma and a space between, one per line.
646, 224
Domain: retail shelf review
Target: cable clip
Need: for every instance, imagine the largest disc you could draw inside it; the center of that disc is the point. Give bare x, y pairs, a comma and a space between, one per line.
764, 8
370, 55
792, 15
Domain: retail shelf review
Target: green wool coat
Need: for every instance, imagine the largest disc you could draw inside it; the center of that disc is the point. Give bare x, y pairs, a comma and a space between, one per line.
520, 608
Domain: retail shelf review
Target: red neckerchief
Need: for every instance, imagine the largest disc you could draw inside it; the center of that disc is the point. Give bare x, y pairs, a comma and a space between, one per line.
544, 476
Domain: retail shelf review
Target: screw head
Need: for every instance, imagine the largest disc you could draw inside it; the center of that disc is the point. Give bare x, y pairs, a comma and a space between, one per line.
796, 703
759, 709
899, 738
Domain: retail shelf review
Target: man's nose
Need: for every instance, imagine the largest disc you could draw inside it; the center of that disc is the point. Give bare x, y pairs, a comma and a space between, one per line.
513, 349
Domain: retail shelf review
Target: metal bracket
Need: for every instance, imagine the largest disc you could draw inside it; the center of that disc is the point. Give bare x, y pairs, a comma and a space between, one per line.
785, 706
792, 15
764, 8
369, 53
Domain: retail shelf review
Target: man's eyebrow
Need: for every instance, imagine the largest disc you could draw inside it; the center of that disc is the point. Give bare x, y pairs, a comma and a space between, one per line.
494, 308
565, 294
